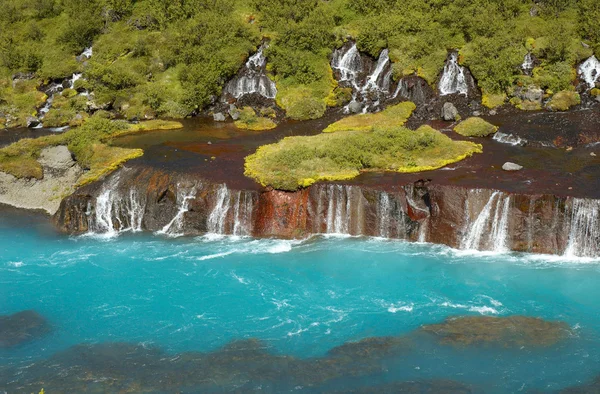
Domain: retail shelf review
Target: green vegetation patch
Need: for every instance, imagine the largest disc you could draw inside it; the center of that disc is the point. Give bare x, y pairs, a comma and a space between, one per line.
89, 143
475, 127
249, 120
564, 100
393, 116
297, 162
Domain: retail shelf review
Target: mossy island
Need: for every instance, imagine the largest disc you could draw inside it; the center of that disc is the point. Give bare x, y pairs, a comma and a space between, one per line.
360, 143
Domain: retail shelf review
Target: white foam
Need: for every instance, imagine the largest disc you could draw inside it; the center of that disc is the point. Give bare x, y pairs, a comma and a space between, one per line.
214, 256
404, 308
15, 264
484, 310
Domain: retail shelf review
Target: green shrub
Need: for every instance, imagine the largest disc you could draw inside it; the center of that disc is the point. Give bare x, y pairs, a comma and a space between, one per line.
564, 100
475, 127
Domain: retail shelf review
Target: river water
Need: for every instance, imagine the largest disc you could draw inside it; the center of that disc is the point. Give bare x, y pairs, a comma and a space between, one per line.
145, 313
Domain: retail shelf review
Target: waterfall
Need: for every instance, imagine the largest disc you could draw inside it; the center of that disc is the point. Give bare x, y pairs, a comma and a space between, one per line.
590, 71
348, 63
242, 216
489, 231
113, 214
370, 82
175, 227
584, 234
527, 64
384, 214
509, 139
453, 78
218, 216
252, 79
338, 202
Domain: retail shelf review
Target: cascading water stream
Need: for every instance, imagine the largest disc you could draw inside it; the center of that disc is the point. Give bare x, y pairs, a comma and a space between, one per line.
176, 226
252, 79
584, 232
218, 216
590, 71
243, 209
527, 64
453, 79
370, 83
489, 232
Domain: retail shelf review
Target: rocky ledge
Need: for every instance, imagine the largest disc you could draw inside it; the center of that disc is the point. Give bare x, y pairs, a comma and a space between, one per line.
175, 204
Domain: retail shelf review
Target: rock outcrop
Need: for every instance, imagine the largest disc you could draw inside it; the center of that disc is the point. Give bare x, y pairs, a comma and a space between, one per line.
482, 219
61, 173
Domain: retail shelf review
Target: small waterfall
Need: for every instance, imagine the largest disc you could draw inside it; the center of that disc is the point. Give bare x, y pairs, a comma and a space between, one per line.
175, 227
339, 209
113, 213
584, 233
349, 64
527, 64
509, 139
590, 71
218, 216
242, 214
453, 78
384, 215
530, 224
370, 81
252, 79
489, 231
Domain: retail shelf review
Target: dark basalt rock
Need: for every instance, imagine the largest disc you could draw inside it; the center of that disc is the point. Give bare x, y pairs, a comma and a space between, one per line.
21, 327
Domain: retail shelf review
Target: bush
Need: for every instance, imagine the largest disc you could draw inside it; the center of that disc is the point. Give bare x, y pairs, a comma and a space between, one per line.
475, 127
564, 100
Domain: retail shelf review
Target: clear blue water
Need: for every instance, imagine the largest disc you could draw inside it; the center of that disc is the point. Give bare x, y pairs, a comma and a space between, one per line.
300, 298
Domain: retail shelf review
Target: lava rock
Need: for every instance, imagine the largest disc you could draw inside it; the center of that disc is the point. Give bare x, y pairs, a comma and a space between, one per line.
21, 327
449, 112
219, 117
508, 166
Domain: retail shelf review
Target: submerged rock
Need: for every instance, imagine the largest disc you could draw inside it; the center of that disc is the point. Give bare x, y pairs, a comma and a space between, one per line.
508, 166
511, 331
21, 327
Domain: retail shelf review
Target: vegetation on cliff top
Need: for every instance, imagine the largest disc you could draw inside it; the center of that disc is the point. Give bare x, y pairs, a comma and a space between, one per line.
475, 127
297, 162
90, 144
154, 58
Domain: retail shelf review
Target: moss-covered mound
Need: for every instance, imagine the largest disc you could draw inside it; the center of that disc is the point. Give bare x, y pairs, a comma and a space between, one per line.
249, 120
512, 331
475, 127
298, 162
394, 116
564, 100
90, 144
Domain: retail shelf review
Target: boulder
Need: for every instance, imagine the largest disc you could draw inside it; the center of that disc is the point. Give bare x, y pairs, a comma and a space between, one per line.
219, 117
32, 122
354, 107
57, 157
449, 112
508, 166
533, 93
234, 112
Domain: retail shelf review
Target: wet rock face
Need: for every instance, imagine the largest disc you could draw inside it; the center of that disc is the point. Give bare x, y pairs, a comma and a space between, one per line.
513, 331
185, 204
21, 327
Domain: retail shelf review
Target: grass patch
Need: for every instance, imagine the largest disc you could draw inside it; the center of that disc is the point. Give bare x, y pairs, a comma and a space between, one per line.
249, 120
89, 143
297, 162
394, 116
564, 100
475, 127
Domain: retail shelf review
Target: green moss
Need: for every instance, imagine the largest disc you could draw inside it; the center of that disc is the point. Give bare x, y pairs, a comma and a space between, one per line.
564, 100
475, 127
393, 116
595, 92
297, 162
493, 100
249, 120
